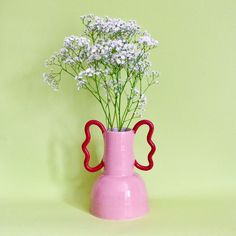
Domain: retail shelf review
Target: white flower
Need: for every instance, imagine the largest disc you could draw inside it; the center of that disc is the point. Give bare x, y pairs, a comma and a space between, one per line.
142, 101
51, 60
70, 42
81, 83
113, 85
83, 42
69, 61
141, 106
50, 80
110, 26
89, 72
155, 73
136, 91
142, 66
74, 42
107, 71
147, 40
139, 114
155, 76
115, 52
63, 51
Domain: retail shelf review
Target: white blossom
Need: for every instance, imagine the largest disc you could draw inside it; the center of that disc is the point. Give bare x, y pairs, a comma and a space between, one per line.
136, 91
69, 61
113, 85
51, 60
147, 40
74, 42
89, 72
111, 55
155, 73
142, 66
141, 105
116, 52
143, 100
80, 82
110, 26
107, 71
50, 80
63, 51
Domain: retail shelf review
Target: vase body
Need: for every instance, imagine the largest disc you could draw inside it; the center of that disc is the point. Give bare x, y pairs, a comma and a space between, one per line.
119, 193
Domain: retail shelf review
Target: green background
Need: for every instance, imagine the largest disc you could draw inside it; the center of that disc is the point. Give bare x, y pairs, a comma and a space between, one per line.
192, 188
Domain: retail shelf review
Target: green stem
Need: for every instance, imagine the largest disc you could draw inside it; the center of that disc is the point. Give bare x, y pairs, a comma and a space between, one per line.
120, 123
135, 109
100, 98
127, 109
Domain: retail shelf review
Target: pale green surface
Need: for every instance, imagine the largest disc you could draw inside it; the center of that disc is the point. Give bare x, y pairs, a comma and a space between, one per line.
170, 217
43, 187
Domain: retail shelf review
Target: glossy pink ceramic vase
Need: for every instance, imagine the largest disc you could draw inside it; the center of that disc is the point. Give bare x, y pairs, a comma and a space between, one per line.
119, 193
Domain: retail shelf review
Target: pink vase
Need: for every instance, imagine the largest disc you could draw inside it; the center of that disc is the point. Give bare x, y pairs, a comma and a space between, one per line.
119, 193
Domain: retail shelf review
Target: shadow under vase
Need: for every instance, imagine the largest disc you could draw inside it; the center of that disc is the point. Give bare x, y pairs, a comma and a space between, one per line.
69, 175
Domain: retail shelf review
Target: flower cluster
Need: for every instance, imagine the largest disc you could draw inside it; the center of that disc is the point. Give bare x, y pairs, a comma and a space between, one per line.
49, 78
74, 42
109, 26
147, 40
110, 60
114, 52
89, 72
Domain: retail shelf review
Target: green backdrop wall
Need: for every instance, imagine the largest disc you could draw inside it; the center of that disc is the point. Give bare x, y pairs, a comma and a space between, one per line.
193, 108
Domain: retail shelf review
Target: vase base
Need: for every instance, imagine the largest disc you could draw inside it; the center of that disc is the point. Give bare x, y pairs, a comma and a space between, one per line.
119, 198
122, 218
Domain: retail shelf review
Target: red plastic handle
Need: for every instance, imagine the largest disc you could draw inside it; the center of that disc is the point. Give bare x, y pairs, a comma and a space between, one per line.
150, 142
86, 142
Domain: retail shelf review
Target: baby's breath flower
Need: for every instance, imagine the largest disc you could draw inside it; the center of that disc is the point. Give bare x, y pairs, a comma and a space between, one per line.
136, 91
147, 40
112, 55
80, 82
50, 80
63, 51
155, 73
69, 61
107, 71
89, 72
154, 76
74, 42
141, 106
110, 26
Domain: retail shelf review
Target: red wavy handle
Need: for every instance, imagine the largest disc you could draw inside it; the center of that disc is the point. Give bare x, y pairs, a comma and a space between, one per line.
86, 142
150, 142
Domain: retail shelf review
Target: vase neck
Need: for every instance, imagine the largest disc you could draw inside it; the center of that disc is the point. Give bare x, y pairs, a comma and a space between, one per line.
118, 153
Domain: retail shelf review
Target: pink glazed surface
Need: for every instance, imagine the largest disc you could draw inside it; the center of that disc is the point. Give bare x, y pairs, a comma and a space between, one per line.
119, 193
